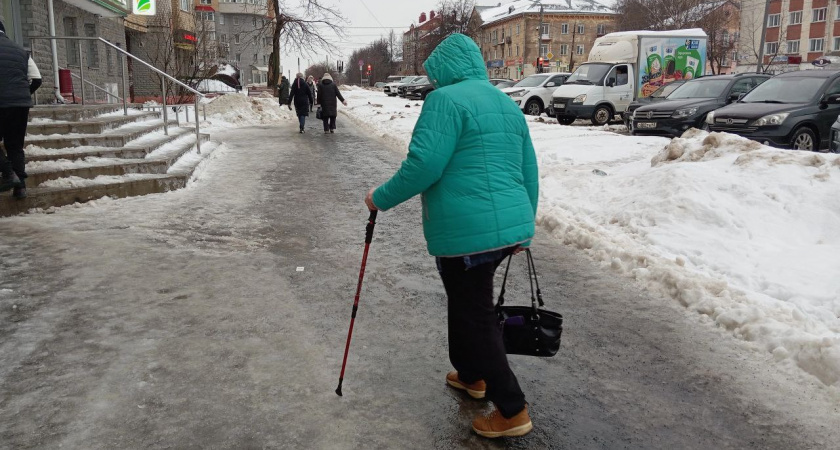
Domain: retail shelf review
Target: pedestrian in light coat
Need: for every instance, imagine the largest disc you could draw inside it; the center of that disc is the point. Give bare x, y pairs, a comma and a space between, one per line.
314, 88
19, 78
472, 161
328, 98
301, 96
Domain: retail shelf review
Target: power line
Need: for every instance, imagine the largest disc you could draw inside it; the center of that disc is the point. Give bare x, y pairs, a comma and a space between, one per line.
372, 14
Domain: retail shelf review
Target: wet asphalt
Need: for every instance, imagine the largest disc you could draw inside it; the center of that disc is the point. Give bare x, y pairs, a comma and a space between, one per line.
182, 321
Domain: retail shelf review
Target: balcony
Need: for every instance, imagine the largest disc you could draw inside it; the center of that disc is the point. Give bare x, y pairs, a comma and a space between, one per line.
545, 36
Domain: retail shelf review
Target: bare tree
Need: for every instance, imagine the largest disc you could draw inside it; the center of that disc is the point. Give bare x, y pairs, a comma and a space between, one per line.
752, 26
318, 70
718, 24
379, 56
658, 14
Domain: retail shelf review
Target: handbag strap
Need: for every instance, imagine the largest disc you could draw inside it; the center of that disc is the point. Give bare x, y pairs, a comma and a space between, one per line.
532, 280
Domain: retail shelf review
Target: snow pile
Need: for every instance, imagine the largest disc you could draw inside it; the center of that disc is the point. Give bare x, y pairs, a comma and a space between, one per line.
78, 182
238, 109
744, 234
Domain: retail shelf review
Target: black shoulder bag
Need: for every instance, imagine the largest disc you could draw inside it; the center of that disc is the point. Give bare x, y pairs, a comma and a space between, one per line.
528, 330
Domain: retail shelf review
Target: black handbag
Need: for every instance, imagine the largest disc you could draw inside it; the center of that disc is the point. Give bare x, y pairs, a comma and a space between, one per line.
318, 113
529, 330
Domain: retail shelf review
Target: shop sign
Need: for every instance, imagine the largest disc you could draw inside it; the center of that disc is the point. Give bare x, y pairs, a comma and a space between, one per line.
144, 7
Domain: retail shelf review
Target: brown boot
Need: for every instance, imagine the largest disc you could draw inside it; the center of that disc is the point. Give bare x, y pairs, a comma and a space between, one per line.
476, 390
495, 425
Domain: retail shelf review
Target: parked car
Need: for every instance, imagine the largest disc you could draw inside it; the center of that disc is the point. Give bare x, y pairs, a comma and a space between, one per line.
533, 93
391, 88
791, 110
688, 105
496, 81
657, 96
834, 144
415, 82
419, 91
379, 84
505, 84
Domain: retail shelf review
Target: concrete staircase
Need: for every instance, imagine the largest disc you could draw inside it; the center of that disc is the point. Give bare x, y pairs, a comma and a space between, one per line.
80, 153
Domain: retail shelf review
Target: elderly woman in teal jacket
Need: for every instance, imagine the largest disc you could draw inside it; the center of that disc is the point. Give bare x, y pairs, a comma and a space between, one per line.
472, 161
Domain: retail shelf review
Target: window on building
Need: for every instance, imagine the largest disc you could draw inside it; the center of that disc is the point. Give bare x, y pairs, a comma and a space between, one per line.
564, 49
267, 42
236, 38
517, 50
579, 50
211, 35
773, 20
185, 5
208, 16
564, 28
236, 20
795, 18
543, 50
771, 48
223, 38
792, 46
206, 2
837, 14
544, 30
518, 28
818, 15
221, 19
92, 54
510, 51
601, 29
265, 59
836, 44
239, 57
735, 56
72, 47
256, 58
581, 28
724, 37
816, 45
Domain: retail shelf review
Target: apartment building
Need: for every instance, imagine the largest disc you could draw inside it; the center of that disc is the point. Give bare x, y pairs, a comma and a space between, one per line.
798, 33
418, 43
243, 30
512, 38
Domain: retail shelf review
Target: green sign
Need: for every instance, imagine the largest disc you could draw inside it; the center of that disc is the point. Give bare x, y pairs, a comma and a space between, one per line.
144, 7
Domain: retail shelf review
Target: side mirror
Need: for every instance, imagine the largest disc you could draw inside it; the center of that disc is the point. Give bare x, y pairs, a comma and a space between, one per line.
734, 97
611, 82
550, 84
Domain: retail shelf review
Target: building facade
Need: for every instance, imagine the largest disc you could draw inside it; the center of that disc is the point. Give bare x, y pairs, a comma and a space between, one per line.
25, 19
243, 30
798, 32
512, 38
418, 42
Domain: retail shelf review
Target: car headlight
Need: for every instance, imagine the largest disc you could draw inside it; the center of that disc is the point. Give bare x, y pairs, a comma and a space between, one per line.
517, 93
772, 119
710, 118
683, 113
579, 99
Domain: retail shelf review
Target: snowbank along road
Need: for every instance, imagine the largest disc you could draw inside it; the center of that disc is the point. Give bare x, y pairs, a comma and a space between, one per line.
181, 321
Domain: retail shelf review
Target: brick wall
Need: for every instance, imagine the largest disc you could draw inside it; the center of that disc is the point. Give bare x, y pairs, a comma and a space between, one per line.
102, 69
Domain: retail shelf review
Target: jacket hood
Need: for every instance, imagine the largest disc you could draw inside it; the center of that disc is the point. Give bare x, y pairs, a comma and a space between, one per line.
327, 76
456, 59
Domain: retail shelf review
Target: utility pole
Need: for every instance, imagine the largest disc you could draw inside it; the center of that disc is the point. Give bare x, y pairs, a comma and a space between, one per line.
572, 49
539, 38
760, 63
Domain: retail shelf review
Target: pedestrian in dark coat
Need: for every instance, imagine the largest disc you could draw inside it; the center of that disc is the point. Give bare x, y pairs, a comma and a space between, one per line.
17, 72
284, 90
302, 97
328, 97
310, 81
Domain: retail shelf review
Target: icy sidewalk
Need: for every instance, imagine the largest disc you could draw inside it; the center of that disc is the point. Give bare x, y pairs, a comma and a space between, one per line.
744, 234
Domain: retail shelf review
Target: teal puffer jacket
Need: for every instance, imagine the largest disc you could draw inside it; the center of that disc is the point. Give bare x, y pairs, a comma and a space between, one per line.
470, 157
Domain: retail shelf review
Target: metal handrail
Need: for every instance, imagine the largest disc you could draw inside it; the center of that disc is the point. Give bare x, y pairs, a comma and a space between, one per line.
96, 86
164, 76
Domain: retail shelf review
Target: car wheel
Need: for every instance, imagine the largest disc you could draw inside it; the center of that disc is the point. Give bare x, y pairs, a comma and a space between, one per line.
565, 120
602, 115
533, 107
804, 139
423, 96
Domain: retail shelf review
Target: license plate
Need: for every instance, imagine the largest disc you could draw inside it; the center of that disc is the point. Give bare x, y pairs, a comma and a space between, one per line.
560, 105
645, 125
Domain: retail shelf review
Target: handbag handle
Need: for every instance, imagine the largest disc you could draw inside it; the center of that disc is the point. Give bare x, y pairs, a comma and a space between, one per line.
532, 279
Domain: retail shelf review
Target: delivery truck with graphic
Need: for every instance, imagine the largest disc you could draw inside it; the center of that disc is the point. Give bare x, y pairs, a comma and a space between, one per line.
626, 66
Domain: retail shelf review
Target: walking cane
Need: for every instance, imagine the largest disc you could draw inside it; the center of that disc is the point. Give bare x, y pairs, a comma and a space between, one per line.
368, 239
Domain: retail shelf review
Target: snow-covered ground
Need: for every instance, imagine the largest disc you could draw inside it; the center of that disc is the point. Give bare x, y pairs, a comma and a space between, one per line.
746, 235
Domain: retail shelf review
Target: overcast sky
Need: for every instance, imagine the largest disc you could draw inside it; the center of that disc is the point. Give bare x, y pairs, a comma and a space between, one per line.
367, 20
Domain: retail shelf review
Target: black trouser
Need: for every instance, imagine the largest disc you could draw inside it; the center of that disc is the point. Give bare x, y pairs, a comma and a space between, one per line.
476, 349
329, 122
13, 123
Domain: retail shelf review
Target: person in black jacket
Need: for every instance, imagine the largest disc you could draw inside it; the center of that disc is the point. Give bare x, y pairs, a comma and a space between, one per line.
15, 100
328, 96
302, 97
284, 90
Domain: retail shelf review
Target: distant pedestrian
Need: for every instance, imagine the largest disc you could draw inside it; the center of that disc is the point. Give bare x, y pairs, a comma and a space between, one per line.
314, 88
284, 90
472, 161
328, 97
302, 97
20, 78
